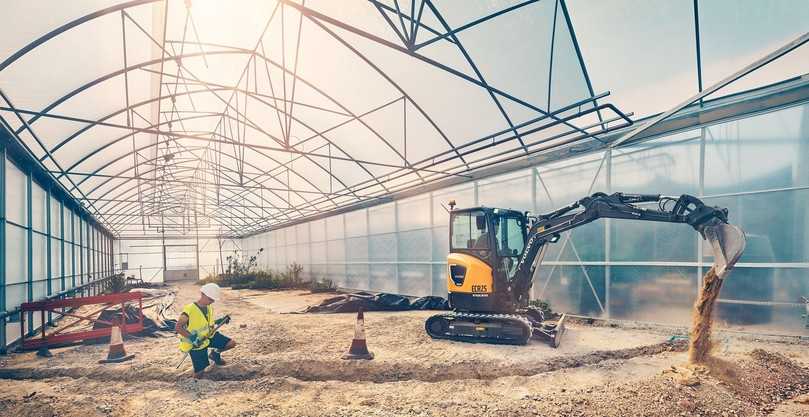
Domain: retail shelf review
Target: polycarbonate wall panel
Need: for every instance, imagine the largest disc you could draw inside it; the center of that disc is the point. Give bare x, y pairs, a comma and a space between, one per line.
757, 167
39, 255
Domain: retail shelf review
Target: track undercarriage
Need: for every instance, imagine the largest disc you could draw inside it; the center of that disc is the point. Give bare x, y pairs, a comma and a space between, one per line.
509, 329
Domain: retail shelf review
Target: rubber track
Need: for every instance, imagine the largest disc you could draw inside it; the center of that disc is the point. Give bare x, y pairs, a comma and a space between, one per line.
513, 318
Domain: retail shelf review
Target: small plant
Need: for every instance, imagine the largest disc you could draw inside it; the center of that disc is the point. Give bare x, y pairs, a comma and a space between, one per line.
543, 306
242, 272
118, 283
324, 285
210, 278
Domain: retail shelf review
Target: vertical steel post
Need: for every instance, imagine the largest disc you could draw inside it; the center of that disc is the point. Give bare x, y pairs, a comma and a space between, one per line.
73, 248
432, 243
30, 231
62, 244
81, 254
48, 268
607, 237
3, 247
700, 268
534, 210
398, 246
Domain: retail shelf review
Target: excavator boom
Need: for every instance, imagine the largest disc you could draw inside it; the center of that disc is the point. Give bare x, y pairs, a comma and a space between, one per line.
726, 241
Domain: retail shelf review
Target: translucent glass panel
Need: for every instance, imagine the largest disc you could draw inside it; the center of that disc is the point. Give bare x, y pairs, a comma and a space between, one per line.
655, 294
734, 33
16, 194
415, 279
382, 219
16, 265
356, 223
39, 208
464, 196
775, 224
56, 264
734, 152
413, 213
415, 245
648, 60
40, 265
561, 183
513, 191
579, 289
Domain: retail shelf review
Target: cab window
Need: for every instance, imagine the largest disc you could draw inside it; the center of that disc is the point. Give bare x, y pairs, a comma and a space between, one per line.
469, 231
509, 236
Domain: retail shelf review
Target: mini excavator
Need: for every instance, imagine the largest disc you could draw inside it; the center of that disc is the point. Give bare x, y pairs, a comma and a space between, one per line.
494, 253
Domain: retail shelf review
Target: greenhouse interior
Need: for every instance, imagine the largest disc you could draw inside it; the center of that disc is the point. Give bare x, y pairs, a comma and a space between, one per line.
176, 141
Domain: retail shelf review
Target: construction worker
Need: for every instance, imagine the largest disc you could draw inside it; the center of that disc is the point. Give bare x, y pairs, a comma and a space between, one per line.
194, 326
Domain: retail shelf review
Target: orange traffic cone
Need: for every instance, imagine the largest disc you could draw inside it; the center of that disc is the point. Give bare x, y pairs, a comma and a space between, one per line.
358, 349
117, 352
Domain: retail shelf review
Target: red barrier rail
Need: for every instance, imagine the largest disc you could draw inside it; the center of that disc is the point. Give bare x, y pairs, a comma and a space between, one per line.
60, 338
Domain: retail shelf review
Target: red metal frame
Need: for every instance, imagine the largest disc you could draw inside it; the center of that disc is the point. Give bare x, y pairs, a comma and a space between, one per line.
59, 338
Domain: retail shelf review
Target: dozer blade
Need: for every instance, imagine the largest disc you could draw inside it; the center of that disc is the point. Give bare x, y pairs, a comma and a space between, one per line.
728, 242
560, 331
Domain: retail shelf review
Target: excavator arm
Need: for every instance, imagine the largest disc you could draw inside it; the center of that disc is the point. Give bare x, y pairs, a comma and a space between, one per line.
727, 241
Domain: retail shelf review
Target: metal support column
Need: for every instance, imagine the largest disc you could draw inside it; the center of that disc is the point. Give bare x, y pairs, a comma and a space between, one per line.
398, 245
73, 248
30, 232
62, 243
607, 236
700, 268
49, 266
3, 247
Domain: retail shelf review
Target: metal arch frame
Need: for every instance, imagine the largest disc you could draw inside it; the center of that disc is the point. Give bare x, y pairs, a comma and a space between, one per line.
479, 81
421, 169
194, 55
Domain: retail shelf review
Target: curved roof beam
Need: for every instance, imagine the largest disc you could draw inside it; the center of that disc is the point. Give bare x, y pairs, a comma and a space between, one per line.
156, 158
256, 148
70, 25
182, 57
260, 186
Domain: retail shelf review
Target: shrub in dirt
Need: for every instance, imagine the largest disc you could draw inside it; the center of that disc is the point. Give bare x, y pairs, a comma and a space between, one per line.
543, 306
291, 277
118, 283
243, 275
211, 278
266, 280
323, 285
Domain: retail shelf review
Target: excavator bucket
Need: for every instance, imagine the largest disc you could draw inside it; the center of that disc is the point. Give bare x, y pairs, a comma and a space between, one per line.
727, 242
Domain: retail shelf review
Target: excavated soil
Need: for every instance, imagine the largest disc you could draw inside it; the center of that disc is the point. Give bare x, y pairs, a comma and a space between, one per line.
700, 345
289, 365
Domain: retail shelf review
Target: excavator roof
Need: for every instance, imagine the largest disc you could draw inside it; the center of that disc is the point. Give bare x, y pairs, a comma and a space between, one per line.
495, 210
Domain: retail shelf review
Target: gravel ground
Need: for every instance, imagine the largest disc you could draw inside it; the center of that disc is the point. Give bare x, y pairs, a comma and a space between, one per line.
289, 365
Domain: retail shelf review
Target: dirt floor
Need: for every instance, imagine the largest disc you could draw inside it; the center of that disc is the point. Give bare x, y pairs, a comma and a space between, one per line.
289, 365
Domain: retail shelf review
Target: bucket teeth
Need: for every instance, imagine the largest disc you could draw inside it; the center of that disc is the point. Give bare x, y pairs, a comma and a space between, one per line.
727, 243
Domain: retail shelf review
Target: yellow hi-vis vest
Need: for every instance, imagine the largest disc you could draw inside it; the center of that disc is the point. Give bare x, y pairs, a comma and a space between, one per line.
197, 323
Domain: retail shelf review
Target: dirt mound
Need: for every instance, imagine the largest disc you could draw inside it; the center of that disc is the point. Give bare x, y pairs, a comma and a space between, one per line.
764, 381
749, 387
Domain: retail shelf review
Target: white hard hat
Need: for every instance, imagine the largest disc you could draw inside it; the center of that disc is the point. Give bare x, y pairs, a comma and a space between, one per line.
212, 291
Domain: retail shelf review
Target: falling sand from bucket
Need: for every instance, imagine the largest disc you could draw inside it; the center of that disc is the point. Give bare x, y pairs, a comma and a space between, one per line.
700, 344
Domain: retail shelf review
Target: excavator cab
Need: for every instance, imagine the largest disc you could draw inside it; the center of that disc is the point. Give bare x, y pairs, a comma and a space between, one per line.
485, 244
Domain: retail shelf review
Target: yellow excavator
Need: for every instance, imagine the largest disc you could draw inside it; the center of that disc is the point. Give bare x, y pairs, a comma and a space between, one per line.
494, 253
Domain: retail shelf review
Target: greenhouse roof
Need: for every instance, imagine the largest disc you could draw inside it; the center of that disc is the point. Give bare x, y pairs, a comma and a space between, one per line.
227, 118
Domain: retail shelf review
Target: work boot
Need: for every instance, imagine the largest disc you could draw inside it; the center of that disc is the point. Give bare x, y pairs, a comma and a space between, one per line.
216, 358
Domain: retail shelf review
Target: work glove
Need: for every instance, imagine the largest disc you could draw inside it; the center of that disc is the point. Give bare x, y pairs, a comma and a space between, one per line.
222, 320
194, 340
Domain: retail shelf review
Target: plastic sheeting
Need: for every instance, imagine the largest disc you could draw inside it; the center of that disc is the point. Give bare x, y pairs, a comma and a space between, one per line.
351, 303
